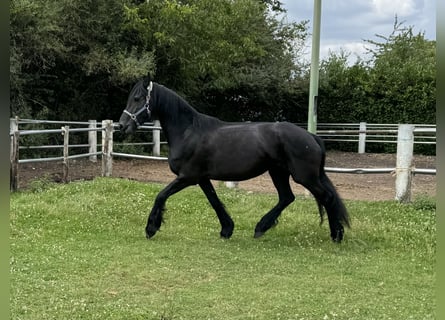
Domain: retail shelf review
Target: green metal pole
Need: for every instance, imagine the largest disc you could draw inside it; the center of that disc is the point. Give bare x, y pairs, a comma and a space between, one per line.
315, 57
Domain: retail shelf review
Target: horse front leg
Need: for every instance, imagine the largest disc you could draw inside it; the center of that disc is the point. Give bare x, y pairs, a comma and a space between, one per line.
155, 217
227, 224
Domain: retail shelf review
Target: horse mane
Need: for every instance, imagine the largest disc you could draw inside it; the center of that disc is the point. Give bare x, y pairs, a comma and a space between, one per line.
173, 108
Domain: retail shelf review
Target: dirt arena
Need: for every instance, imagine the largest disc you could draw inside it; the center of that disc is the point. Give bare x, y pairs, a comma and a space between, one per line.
350, 186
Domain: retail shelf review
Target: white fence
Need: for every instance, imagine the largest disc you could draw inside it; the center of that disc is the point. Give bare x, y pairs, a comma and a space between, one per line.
404, 135
363, 133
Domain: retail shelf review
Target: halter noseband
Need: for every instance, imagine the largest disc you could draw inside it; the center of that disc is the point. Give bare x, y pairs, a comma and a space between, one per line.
145, 107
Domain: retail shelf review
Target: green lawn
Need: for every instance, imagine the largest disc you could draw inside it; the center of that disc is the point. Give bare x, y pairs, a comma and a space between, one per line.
78, 251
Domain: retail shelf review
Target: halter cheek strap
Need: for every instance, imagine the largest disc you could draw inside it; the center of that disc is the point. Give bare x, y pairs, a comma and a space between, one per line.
145, 107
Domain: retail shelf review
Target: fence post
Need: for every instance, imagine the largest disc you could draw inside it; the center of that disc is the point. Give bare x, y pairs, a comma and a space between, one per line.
66, 142
157, 139
362, 138
107, 148
92, 140
405, 144
231, 184
14, 154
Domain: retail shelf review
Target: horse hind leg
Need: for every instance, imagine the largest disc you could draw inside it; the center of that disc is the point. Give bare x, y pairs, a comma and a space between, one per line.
280, 179
320, 210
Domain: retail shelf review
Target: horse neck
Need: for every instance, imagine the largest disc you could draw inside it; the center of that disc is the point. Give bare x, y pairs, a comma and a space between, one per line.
175, 115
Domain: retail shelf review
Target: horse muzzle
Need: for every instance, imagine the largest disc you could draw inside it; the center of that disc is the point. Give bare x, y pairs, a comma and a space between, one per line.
122, 127
127, 128
126, 124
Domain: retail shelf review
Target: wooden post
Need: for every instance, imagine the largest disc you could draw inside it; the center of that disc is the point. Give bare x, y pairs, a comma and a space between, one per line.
66, 142
92, 140
107, 148
157, 139
14, 154
362, 138
13, 125
405, 145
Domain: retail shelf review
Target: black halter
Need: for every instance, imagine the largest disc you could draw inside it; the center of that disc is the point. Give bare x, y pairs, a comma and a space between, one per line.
145, 107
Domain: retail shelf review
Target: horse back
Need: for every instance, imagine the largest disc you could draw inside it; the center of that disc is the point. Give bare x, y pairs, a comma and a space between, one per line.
240, 151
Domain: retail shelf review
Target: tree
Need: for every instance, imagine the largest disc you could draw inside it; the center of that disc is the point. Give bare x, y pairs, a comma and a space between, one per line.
396, 85
229, 58
68, 56
76, 59
403, 77
343, 90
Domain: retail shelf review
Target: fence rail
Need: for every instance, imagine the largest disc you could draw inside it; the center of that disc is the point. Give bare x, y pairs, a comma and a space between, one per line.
404, 135
360, 133
363, 133
378, 170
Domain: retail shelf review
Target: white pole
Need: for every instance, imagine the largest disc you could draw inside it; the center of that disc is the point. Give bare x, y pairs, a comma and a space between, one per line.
13, 124
92, 140
231, 184
157, 139
14, 154
66, 142
405, 146
362, 138
107, 148
315, 65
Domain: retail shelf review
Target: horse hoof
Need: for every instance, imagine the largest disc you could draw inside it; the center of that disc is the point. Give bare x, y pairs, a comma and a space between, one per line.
226, 234
258, 234
149, 233
338, 236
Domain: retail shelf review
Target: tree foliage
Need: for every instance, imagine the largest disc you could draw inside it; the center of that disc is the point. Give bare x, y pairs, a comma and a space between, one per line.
397, 84
403, 77
235, 59
225, 56
343, 90
68, 57
87, 52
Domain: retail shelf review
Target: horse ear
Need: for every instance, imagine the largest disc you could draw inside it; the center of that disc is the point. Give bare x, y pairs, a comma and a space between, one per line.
147, 79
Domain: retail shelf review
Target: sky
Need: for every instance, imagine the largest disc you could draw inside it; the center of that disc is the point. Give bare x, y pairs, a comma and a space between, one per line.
345, 24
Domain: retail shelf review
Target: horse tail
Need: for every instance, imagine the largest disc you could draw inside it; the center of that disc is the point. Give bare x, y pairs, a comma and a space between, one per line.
340, 212
323, 160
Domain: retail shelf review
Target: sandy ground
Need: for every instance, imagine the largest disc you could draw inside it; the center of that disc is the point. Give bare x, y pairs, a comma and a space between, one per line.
350, 186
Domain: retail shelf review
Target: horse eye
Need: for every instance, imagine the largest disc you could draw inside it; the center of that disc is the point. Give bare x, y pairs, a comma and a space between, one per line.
137, 98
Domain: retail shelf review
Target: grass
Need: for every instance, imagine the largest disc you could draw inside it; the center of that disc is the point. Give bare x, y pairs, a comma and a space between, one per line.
78, 251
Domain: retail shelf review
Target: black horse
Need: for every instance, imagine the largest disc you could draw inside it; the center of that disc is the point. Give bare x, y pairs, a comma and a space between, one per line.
203, 148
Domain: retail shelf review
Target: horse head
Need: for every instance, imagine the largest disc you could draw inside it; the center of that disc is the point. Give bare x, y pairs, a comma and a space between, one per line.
138, 109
